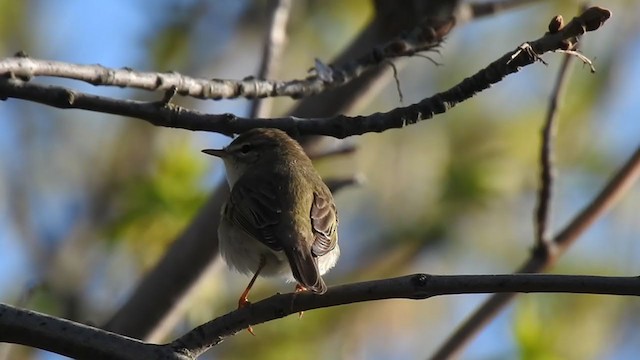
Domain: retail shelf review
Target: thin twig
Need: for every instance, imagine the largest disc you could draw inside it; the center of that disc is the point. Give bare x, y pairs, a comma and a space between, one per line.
549, 130
272, 52
397, 80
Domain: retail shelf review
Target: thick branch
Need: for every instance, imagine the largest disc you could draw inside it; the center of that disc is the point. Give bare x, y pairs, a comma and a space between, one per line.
86, 342
72, 339
418, 286
339, 126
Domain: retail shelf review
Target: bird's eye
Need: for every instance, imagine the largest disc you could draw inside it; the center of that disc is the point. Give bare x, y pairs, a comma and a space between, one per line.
246, 148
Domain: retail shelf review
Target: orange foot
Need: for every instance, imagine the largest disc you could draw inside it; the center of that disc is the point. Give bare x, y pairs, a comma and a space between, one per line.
243, 303
300, 288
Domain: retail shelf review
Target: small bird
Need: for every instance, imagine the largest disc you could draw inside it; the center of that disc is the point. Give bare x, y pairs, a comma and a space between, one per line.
280, 218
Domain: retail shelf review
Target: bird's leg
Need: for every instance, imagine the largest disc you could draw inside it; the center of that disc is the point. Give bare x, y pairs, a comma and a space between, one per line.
299, 288
244, 301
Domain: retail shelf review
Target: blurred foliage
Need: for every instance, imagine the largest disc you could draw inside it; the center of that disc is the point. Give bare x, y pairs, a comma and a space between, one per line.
154, 206
550, 327
171, 47
454, 194
12, 31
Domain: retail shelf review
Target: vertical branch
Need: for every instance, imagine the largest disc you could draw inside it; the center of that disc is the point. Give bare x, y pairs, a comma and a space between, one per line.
273, 46
547, 171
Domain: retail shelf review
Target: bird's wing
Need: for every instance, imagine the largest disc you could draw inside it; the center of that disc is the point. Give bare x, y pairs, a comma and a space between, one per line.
324, 224
260, 211
260, 216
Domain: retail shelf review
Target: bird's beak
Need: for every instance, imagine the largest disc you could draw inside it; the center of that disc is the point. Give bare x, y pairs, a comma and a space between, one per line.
221, 153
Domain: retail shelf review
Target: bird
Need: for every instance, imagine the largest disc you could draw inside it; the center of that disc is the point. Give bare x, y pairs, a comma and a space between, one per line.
280, 218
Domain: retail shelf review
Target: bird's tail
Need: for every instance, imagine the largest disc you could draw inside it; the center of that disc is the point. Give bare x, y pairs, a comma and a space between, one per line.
304, 267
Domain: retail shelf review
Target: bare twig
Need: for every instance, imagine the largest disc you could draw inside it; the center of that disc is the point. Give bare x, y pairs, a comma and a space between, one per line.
397, 80
580, 56
549, 130
272, 52
417, 286
83, 341
168, 96
423, 38
338, 126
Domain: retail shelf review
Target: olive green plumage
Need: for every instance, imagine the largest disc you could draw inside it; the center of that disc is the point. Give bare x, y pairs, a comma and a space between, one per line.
280, 216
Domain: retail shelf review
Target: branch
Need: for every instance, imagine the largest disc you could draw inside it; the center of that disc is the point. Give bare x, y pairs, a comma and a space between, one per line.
82, 341
72, 339
339, 126
423, 38
549, 130
273, 46
416, 287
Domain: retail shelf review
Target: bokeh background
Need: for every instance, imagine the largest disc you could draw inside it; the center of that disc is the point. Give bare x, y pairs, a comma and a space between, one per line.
89, 202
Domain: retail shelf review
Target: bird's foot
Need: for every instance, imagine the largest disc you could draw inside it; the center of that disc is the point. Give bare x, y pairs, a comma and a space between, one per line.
243, 302
299, 288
